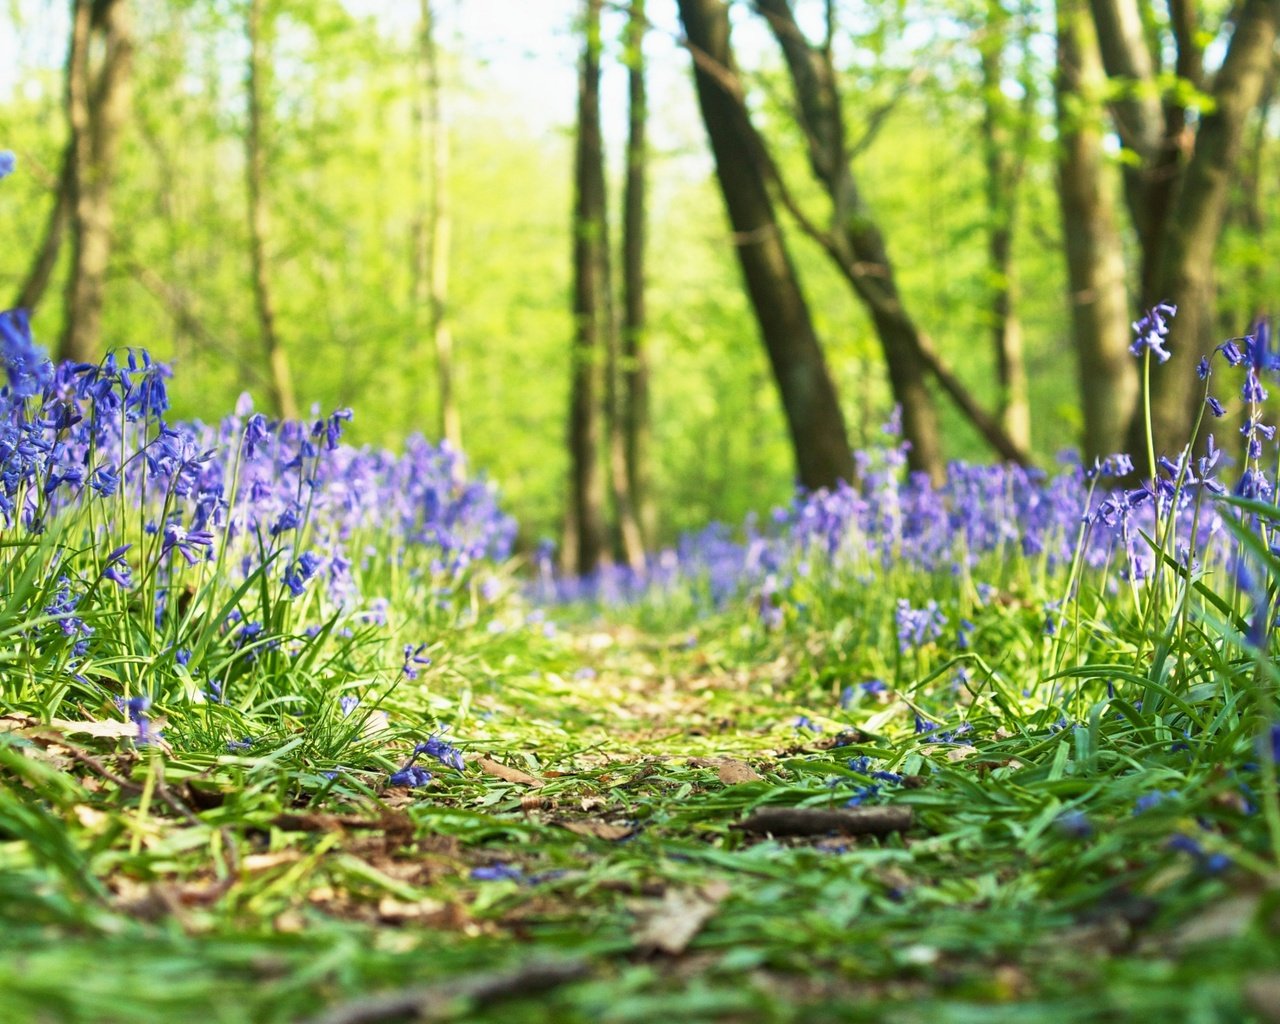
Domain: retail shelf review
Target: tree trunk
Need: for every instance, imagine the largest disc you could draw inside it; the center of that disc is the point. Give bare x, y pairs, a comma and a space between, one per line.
585, 540
817, 429
636, 426
98, 97
431, 271
1095, 254
864, 256
1195, 220
37, 281
1004, 144
281, 393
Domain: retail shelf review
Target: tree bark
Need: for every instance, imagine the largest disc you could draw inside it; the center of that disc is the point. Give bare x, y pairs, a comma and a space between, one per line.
37, 280
1094, 247
1004, 143
816, 425
1195, 221
431, 265
865, 256
585, 535
636, 425
283, 402
98, 100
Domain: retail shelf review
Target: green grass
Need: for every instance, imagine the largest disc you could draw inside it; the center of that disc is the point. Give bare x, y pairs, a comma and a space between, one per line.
202, 885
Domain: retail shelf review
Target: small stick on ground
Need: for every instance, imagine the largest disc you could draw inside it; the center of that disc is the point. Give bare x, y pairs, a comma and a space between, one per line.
425, 1002
813, 821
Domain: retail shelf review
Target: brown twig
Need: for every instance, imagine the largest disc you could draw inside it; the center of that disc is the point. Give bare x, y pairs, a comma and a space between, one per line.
424, 1002
813, 821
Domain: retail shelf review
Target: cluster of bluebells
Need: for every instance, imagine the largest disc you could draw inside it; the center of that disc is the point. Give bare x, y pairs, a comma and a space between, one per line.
413, 775
245, 494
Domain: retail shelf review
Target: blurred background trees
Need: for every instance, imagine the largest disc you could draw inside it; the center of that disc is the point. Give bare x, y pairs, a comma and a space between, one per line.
375, 204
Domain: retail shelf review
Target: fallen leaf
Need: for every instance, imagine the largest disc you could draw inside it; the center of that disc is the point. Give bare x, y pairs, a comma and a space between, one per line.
598, 829
676, 920
393, 910
733, 773
508, 774
265, 861
1228, 919
104, 730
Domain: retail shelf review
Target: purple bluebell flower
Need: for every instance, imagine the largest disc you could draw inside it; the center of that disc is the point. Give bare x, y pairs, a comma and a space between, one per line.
1151, 331
28, 369
497, 873
188, 543
1073, 823
1202, 368
411, 776
1151, 800
135, 708
445, 753
117, 570
1215, 407
8, 162
413, 657
348, 704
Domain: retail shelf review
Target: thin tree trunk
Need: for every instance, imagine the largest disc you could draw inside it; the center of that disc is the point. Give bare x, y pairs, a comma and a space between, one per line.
431, 276
636, 425
283, 402
1095, 255
808, 393
98, 99
585, 535
1004, 147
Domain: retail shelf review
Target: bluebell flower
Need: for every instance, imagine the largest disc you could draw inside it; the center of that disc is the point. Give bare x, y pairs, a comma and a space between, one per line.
445, 753
135, 708
413, 657
8, 162
28, 369
1151, 331
497, 873
1151, 800
348, 704
117, 570
1074, 823
411, 776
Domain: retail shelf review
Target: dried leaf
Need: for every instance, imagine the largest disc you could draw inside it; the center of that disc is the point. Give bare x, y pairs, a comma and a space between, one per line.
508, 774
104, 730
674, 922
733, 773
598, 829
394, 911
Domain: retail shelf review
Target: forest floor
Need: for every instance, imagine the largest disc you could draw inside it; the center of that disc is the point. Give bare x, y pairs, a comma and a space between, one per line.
590, 863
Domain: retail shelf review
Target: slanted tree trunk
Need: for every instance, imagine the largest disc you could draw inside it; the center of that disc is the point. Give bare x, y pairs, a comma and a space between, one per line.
857, 248
283, 402
432, 241
98, 99
1004, 146
585, 545
636, 426
1095, 255
808, 393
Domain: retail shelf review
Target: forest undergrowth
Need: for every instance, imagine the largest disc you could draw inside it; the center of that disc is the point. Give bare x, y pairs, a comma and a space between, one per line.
287, 735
